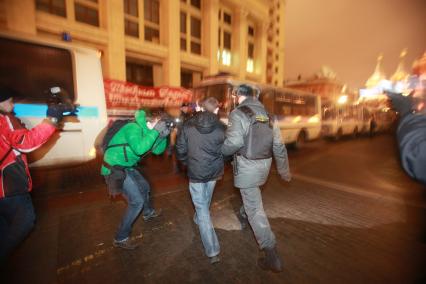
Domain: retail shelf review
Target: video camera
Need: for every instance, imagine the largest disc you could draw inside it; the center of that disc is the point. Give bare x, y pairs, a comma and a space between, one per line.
59, 98
171, 122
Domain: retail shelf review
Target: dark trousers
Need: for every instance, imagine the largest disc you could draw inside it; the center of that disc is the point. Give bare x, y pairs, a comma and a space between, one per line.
17, 218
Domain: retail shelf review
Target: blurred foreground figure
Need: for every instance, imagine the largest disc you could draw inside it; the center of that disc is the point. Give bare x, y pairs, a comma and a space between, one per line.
252, 137
17, 215
411, 134
122, 154
198, 146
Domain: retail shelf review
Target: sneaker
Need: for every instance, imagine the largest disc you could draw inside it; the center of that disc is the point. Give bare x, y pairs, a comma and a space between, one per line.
125, 244
214, 259
153, 215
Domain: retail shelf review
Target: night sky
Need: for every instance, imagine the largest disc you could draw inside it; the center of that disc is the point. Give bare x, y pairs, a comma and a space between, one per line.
348, 35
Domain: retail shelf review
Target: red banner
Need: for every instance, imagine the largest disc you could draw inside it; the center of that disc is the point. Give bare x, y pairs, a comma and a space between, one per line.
122, 95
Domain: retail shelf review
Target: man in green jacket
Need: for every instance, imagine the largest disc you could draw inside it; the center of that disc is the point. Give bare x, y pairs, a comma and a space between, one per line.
121, 157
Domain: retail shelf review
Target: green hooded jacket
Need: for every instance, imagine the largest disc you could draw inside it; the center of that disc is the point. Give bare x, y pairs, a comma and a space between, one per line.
140, 140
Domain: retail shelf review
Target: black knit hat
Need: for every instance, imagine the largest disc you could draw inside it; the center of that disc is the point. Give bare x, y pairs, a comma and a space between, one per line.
5, 93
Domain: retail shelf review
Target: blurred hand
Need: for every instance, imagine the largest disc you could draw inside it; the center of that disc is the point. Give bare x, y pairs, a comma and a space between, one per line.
402, 104
286, 176
55, 112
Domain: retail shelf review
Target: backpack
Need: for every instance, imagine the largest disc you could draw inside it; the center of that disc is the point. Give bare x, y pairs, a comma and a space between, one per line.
113, 128
259, 138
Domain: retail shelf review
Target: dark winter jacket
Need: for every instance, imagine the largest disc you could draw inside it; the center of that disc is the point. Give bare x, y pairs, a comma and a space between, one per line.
252, 173
411, 135
199, 145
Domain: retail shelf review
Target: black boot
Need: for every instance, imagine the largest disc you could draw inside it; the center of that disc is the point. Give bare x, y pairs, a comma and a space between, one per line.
243, 221
271, 261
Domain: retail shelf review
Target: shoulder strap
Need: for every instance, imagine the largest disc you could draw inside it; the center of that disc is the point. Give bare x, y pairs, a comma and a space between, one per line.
117, 145
247, 111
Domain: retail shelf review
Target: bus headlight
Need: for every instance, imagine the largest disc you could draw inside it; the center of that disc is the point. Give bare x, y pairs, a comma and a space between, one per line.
92, 152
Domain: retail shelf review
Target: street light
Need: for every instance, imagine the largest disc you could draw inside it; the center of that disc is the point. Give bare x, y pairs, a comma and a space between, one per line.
342, 99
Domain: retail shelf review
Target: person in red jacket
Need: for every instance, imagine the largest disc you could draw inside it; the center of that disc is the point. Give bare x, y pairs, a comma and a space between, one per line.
16, 209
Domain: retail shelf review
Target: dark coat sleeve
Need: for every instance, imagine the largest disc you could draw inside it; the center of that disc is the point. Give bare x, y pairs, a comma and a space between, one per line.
237, 127
280, 153
411, 135
182, 145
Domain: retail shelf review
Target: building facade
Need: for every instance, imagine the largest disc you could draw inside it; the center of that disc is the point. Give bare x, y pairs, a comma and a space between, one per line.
324, 84
163, 42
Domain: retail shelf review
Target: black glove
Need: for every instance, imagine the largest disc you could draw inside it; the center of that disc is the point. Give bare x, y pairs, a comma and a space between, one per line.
402, 104
55, 112
162, 128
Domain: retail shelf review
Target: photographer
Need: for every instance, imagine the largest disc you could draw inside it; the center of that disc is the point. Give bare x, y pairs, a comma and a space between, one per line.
124, 151
16, 209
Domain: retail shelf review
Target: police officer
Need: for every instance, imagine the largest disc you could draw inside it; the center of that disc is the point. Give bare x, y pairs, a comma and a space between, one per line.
249, 174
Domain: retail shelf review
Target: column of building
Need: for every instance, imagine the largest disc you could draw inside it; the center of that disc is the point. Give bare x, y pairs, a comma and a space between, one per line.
116, 52
210, 41
239, 33
20, 16
171, 66
261, 50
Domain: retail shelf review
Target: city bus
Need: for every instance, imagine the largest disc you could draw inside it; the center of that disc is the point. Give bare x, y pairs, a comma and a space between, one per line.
340, 120
30, 67
354, 119
298, 113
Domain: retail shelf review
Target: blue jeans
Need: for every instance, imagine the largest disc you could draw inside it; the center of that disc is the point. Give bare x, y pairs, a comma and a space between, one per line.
136, 190
201, 194
17, 218
253, 207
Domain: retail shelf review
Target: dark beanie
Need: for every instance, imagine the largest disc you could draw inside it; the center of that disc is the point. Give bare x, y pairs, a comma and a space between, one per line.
5, 93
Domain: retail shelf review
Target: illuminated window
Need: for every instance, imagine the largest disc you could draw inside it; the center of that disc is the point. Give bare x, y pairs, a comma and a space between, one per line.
146, 26
87, 11
190, 26
227, 18
225, 36
131, 18
141, 74
152, 20
183, 31
251, 31
196, 3
250, 49
227, 40
226, 57
55, 7
250, 65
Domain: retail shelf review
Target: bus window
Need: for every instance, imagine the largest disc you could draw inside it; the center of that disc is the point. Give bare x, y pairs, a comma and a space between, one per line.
35, 70
311, 106
200, 94
267, 99
329, 113
222, 92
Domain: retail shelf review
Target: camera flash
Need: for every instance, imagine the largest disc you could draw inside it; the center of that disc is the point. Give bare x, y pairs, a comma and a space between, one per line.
55, 90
